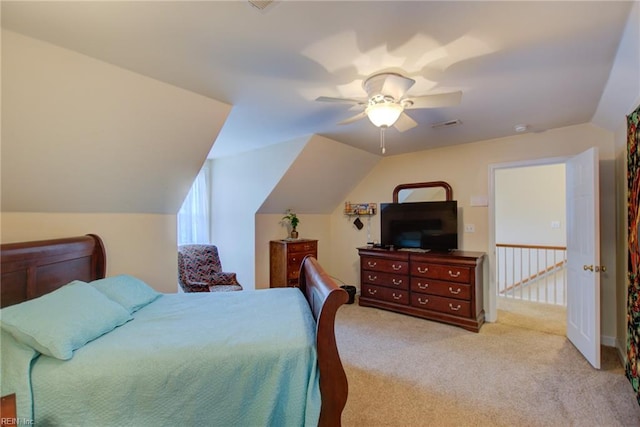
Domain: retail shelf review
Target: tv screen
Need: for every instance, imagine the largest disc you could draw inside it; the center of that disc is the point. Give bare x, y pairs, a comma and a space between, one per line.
420, 225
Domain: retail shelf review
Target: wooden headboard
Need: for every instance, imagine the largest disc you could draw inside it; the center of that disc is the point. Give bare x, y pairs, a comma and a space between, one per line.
32, 269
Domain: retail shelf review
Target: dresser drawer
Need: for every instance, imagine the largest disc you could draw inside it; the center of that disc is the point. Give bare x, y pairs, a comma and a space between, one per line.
443, 272
295, 259
386, 265
385, 279
310, 246
437, 287
293, 273
398, 296
445, 287
445, 305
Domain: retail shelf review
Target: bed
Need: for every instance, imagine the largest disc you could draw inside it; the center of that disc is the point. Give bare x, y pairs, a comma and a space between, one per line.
264, 357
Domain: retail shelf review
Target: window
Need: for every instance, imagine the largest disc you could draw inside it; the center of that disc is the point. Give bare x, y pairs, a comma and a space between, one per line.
193, 217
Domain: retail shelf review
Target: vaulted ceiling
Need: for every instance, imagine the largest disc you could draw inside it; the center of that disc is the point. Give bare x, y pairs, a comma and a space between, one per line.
540, 64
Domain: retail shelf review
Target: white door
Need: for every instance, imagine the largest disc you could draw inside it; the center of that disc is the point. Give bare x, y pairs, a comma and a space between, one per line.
583, 255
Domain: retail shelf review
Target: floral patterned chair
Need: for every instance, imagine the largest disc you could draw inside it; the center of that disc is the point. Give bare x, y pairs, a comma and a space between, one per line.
200, 270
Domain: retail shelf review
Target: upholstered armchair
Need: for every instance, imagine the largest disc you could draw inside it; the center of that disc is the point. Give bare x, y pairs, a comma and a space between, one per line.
200, 270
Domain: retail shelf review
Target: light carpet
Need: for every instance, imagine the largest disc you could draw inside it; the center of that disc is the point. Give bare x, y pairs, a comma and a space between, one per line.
536, 316
406, 371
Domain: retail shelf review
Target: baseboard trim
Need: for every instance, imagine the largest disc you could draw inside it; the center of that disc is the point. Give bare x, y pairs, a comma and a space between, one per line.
608, 341
622, 352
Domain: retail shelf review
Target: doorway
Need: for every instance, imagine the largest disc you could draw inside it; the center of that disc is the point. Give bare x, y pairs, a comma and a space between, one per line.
530, 246
583, 249
530, 234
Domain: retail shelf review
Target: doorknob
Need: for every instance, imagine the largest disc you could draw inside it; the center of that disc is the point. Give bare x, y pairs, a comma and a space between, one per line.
588, 267
601, 268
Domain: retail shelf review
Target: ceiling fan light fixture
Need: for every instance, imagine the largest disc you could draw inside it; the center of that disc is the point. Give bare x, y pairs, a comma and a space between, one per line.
384, 114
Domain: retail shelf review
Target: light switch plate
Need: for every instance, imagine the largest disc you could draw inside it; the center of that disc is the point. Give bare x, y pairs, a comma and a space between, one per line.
479, 201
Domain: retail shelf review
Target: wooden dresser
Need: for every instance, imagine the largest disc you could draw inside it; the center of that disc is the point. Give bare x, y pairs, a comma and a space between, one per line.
285, 258
446, 287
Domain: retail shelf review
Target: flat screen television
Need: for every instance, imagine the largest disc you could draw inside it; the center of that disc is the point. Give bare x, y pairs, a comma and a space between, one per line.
420, 225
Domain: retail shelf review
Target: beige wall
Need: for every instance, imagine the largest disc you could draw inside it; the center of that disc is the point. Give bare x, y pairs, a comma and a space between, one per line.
466, 168
620, 97
82, 135
527, 200
252, 191
240, 184
143, 245
88, 147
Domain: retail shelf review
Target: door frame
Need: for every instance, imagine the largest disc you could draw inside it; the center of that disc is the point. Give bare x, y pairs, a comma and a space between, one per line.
491, 300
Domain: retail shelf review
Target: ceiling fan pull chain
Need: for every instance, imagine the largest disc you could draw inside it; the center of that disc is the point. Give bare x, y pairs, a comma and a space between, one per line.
382, 128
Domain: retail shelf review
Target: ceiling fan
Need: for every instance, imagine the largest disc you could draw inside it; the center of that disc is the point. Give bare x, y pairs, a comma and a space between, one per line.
386, 101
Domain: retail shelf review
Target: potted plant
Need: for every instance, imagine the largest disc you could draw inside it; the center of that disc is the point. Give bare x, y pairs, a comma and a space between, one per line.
292, 219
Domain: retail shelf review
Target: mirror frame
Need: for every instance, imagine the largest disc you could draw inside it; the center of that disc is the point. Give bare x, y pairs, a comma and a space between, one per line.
447, 188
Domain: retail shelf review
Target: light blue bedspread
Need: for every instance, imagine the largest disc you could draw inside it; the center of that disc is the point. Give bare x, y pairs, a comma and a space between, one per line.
208, 359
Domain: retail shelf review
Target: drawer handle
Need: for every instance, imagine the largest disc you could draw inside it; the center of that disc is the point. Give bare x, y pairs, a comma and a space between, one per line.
396, 267
423, 302
421, 286
454, 308
307, 247
372, 291
454, 292
456, 274
372, 278
396, 296
372, 264
420, 270
397, 282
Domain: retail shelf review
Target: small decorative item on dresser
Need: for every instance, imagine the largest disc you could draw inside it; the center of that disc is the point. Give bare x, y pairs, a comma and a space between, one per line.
293, 220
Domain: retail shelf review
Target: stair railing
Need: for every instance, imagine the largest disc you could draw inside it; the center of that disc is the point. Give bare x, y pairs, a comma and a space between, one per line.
532, 272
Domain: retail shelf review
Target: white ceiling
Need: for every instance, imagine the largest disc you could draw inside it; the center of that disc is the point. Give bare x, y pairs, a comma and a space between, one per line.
543, 64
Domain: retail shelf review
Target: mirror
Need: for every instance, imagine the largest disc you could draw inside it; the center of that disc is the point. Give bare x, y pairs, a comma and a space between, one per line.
422, 192
422, 195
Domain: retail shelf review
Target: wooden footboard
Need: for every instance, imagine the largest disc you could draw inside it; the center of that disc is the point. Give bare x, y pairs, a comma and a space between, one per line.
325, 297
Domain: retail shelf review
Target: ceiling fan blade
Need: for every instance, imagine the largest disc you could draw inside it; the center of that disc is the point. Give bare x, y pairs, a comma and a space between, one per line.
353, 118
404, 122
388, 84
396, 85
340, 100
434, 101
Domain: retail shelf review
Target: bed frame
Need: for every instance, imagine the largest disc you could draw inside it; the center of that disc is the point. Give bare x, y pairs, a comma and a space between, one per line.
32, 269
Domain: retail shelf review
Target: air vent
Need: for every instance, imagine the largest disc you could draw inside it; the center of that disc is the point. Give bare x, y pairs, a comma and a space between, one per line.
260, 5
447, 124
